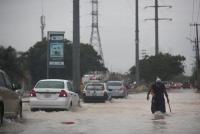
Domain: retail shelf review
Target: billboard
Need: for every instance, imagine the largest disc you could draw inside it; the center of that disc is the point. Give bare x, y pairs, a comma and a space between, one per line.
56, 49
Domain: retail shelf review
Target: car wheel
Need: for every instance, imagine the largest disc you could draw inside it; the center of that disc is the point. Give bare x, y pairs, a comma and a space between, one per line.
1, 112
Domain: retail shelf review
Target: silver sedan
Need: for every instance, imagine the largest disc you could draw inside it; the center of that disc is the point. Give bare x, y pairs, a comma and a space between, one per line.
117, 88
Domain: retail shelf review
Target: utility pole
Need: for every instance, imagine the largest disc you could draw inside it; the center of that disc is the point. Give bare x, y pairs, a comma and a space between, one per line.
156, 19
137, 42
197, 55
76, 46
156, 28
197, 44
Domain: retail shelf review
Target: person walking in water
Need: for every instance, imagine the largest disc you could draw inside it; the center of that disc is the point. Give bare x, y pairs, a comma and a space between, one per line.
158, 91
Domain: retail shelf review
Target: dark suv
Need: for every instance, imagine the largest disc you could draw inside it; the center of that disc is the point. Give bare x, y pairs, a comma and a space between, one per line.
10, 101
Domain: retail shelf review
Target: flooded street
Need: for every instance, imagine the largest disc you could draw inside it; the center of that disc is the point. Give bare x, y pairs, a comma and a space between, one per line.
121, 116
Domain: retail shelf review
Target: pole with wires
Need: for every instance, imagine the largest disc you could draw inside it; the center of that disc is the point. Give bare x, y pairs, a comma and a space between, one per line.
137, 42
156, 19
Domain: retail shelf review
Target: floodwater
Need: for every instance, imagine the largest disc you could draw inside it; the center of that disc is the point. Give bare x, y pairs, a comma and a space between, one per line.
121, 116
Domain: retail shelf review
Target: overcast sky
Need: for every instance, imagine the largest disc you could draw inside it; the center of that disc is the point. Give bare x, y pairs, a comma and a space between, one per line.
20, 26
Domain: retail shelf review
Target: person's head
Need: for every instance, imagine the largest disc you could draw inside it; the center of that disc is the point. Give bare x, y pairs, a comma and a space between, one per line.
158, 79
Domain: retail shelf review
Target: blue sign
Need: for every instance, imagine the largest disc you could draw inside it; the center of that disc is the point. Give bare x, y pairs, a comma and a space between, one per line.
56, 49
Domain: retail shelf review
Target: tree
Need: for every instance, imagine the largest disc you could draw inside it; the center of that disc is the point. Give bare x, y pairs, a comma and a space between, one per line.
164, 66
9, 62
36, 58
90, 60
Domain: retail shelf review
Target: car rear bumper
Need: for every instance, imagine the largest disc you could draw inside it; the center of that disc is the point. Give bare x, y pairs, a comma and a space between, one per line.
100, 98
60, 103
118, 94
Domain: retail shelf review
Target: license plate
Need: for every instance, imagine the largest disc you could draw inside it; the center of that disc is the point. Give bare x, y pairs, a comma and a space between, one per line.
47, 95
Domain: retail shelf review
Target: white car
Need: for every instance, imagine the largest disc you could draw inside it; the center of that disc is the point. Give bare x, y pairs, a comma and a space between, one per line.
10, 101
96, 91
53, 94
117, 89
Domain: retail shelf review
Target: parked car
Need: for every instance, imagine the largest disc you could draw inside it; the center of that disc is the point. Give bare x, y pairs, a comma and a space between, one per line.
53, 94
10, 101
96, 91
117, 89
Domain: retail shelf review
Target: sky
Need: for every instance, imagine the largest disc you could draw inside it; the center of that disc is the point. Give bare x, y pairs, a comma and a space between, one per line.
20, 27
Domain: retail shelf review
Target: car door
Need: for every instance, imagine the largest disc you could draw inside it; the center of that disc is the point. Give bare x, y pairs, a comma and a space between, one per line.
75, 97
14, 98
6, 94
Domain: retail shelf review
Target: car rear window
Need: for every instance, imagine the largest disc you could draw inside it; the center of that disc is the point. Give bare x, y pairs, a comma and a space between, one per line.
95, 87
114, 84
50, 84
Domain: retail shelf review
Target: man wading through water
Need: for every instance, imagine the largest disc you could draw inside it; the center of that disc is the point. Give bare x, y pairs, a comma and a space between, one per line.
158, 91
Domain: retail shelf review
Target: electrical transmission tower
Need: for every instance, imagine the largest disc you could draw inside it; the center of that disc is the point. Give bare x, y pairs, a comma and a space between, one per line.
156, 6
95, 40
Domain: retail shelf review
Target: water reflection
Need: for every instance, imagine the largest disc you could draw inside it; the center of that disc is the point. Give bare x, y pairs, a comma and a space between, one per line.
159, 121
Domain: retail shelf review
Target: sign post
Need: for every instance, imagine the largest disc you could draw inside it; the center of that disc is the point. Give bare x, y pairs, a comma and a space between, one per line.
55, 50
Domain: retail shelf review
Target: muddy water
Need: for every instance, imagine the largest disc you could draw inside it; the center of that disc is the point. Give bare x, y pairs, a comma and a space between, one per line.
121, 116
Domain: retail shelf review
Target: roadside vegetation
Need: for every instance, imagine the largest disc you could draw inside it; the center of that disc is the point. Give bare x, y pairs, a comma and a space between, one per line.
31, 66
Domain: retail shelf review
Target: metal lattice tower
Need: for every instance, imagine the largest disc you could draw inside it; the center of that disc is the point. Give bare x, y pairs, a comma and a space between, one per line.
95, 40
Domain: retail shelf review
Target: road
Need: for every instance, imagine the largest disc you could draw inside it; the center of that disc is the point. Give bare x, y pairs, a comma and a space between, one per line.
121, 116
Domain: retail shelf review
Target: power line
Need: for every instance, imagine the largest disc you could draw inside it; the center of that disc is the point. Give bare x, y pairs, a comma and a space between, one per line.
156, 19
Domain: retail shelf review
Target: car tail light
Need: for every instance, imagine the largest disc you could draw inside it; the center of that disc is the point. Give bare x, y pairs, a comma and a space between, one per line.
32, 93
63, 93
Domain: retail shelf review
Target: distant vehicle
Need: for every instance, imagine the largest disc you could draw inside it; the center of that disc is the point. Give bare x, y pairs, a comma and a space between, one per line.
10, 101
117, 89
96, 91
186, 85
53, 94
167, 84
176, 85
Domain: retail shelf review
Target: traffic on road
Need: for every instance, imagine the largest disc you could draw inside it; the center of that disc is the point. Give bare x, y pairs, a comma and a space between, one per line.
131, 115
